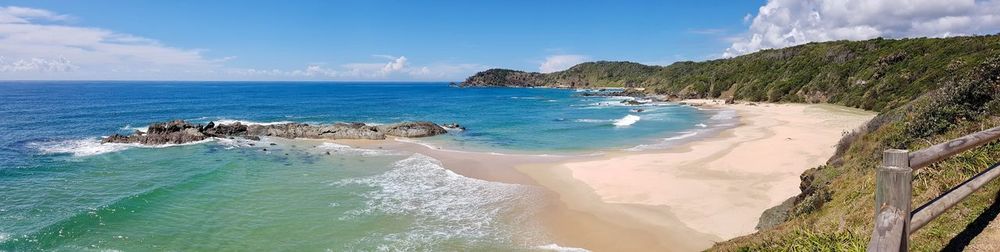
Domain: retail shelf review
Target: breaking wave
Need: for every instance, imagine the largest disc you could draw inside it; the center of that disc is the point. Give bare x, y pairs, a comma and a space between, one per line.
627, 120
445, 206
93, 146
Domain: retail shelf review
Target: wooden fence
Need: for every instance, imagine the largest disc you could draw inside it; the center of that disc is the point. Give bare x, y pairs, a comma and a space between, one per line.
894, 221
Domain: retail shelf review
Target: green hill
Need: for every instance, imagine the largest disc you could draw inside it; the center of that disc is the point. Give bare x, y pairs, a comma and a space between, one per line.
927, 90
874, 74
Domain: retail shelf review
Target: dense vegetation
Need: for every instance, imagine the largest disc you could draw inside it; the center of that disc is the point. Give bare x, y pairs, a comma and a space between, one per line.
926, 90
874, 74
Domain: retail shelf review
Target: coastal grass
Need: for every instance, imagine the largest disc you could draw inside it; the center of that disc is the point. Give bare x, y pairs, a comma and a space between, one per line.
836, 208
877, 74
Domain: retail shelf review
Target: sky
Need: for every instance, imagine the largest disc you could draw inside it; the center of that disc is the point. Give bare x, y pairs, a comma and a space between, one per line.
432, 40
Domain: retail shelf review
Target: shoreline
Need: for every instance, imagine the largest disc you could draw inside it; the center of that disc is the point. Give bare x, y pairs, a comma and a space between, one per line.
719, 179
643, 200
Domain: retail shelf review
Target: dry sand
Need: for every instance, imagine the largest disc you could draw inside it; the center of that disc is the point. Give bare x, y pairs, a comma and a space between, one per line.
721, 185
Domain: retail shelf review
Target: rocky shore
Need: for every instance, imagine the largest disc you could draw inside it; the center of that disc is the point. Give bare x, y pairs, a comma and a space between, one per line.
179, 131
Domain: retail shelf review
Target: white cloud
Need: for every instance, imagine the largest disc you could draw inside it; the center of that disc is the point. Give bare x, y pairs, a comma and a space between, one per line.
28, 45
710, 31
397, 68
21, 15
782, 23
39, 44
37, 65
561, 62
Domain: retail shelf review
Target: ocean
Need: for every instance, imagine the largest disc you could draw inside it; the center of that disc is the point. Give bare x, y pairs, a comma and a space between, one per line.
60, 189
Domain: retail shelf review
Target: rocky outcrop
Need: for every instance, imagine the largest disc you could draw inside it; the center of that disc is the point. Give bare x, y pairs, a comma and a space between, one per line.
412, 129
173, 132
179, 131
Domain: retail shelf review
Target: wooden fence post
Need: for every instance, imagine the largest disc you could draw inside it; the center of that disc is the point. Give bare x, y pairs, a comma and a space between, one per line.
893, 193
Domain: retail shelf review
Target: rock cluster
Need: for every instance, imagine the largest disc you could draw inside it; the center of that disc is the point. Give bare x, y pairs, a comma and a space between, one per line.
179, 131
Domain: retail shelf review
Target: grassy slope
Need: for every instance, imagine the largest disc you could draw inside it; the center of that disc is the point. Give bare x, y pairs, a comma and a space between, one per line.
835, 212
875, 74
927, 90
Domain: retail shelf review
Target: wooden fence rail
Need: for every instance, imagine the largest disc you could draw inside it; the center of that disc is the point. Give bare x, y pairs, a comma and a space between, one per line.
894, 222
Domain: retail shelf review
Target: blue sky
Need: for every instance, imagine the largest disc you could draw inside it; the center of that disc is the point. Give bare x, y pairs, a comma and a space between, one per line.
422, 40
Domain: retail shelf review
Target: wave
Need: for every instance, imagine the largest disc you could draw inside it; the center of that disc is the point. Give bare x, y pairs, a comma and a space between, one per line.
129, 128
594, 120
246, 122
94, 146
79, 147
627, 120
556, 247
701, 125
348, 150
445, 206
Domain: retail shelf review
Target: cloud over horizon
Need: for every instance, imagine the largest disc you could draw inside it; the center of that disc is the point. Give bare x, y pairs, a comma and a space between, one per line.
555, 63
396, 68
783, 23
39, 44
36, 41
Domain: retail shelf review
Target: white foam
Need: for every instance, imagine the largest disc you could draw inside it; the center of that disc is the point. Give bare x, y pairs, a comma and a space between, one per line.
701, 125
240, 142
444, 206
627, 120
4, 237
245, 122
129, 128
594, 120
80, 147
348, 150
556, 247
93, 146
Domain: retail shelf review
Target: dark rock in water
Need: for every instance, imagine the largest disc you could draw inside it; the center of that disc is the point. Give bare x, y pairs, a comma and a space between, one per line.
638, 110
173, 132
632, 102
412, 129
178, 131
273, 144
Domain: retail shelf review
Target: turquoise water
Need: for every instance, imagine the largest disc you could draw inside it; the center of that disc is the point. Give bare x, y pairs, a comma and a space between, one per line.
62, 190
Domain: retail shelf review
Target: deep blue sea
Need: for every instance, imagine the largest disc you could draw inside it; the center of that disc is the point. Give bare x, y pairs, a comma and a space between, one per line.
60, 189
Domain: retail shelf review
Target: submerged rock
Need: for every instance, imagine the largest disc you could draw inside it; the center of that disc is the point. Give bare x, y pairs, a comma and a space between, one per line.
179, 131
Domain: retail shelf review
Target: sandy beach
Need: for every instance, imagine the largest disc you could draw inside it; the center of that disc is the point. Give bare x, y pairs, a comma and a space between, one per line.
680, 198
720, 185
